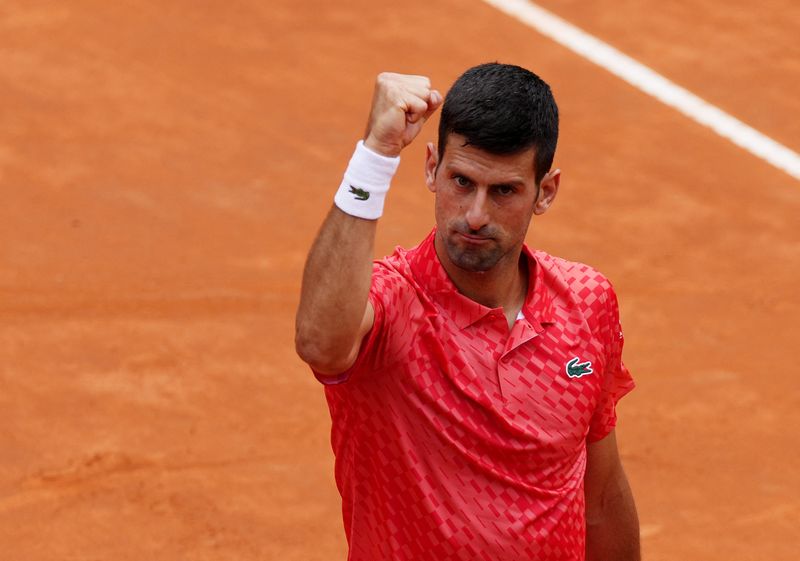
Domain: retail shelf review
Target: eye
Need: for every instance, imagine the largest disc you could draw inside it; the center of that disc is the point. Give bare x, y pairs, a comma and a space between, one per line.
461, 181
505, 190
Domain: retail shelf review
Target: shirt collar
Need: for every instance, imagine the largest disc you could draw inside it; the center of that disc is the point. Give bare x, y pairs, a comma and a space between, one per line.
429, 272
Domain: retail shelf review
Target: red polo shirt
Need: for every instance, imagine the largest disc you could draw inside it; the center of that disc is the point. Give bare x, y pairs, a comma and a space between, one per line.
458, 439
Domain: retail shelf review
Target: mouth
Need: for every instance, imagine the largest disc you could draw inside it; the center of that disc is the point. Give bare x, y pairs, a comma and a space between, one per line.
472, 239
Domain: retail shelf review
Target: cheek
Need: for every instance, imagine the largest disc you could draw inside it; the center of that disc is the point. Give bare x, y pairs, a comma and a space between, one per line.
444, 215
446, 204
515, 218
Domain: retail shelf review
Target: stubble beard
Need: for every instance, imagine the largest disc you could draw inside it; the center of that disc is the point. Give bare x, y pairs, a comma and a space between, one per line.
474, 259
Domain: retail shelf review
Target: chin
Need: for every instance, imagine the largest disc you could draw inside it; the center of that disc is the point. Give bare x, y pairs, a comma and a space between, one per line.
473, 261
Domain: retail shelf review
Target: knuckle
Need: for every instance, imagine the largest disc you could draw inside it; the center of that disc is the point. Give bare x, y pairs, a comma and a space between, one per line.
383, 79
387, 76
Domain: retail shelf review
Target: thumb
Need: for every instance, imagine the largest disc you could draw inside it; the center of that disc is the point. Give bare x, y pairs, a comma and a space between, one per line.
416, 109
434, 103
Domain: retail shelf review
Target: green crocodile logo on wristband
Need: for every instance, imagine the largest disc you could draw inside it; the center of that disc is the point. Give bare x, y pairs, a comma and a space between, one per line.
360, 194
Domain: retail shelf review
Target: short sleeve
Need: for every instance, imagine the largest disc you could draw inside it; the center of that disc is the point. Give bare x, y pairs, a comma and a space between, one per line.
374, 346
617, 380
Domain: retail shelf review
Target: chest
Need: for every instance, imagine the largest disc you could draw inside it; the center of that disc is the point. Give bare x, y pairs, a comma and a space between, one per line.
535, 385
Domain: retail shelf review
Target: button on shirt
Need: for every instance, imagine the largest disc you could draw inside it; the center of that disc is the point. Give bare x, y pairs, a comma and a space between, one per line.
458, 439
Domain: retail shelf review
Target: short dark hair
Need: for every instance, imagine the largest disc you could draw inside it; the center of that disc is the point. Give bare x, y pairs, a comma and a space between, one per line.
503, 109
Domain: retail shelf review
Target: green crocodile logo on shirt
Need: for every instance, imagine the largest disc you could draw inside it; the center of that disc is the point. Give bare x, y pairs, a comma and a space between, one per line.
360, 194
576, 369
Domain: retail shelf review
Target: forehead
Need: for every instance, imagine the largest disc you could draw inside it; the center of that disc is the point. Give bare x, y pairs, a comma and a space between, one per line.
494, 168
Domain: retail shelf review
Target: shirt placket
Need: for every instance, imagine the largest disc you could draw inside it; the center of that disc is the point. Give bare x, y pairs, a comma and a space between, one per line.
508, 369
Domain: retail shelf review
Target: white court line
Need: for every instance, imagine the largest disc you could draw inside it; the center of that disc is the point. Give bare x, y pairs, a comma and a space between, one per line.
652, 83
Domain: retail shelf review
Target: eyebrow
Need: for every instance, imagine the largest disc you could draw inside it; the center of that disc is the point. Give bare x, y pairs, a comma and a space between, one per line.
513, 183
516, 182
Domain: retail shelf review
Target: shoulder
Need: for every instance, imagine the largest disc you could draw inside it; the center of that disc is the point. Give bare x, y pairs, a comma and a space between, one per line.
392, 270
571, 277
394, 286
581, 287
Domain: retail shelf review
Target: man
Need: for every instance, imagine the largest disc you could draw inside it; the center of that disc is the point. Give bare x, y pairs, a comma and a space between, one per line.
471, 381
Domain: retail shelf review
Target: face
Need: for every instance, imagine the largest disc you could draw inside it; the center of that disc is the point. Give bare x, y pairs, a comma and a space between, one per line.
484, 202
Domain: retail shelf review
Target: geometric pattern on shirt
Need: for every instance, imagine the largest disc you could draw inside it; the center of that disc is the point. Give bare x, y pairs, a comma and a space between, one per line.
455, 439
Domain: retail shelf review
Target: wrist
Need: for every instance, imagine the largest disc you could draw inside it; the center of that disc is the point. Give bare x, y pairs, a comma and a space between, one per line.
382, 148
366, 182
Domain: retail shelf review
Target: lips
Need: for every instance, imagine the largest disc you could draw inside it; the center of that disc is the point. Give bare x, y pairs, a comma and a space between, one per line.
473, 239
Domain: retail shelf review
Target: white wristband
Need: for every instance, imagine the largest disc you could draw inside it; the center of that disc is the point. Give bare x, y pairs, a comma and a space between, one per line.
366, 183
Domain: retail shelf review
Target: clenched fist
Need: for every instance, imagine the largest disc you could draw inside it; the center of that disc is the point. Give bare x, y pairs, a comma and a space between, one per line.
400, 106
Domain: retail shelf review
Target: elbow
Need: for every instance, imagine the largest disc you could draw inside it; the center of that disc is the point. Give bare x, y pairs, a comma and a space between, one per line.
321, 356
306, 347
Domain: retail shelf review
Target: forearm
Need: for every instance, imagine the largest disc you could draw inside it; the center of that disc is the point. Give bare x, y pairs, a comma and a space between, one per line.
612, 529
336, 283
334, 314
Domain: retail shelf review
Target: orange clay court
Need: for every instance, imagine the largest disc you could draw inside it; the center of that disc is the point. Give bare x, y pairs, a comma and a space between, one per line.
164, 168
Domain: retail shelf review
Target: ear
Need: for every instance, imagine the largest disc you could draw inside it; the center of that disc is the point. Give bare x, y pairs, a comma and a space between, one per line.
548, 189
431, 161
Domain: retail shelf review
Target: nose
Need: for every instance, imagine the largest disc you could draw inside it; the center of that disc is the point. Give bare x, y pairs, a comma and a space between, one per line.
477, 215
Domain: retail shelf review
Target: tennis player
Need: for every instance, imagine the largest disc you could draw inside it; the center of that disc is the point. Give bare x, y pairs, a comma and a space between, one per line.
471, 380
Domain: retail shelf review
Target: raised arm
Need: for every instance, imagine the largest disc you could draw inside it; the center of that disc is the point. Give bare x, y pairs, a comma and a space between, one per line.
334, 313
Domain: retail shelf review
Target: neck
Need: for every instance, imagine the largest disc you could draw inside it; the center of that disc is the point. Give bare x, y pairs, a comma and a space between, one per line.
503, 286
